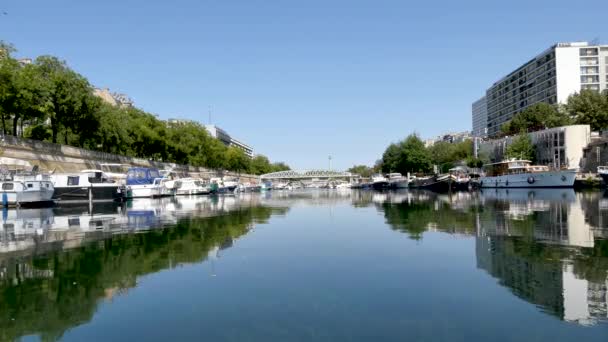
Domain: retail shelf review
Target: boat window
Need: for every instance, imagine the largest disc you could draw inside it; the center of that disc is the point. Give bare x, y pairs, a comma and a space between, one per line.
30, 185
8, 186
74, 222
73, 180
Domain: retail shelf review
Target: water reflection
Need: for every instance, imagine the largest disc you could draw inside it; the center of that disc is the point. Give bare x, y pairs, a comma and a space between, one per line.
52, 277
57, 265
546, 246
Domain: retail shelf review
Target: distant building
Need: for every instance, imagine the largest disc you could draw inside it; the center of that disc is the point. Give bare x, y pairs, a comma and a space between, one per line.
558, 147
452, 138
115, 99
480, 118
224, 137
550, 77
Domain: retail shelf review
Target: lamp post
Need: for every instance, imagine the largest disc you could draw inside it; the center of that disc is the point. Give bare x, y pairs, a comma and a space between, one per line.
329, 157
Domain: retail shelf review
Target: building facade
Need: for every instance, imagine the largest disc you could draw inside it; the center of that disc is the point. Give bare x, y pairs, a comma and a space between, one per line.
224, 137
480, 118
113, 98
560, 147
550, 77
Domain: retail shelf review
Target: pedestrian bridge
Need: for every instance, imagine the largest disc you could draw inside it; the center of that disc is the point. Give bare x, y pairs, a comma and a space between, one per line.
308, 174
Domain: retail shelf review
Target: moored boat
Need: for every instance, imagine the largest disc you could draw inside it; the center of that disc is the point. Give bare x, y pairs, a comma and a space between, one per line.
461, 178
602, 171
192, 186
84, 186
518, 173
437, 183
141, 182
23, 190
379, 182
397, 181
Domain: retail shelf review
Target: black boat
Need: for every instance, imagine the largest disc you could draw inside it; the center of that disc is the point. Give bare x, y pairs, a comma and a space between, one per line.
437, 183
602, 171
379, 182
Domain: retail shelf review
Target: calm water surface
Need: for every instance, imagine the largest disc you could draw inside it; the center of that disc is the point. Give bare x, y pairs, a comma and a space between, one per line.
513, 265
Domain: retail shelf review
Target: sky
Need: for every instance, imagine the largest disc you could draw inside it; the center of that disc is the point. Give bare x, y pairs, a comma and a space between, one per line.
300, 81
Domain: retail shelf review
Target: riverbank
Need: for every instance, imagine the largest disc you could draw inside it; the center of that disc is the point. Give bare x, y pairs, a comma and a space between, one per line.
63, 158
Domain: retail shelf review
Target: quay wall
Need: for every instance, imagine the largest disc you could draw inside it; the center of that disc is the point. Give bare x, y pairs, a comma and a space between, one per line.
63, 158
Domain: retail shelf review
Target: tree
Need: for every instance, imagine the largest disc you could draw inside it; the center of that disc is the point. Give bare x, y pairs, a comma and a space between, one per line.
521, 147
361, 170
236, 159
260, 165
279, 166
413, 156
589, 108
536, 117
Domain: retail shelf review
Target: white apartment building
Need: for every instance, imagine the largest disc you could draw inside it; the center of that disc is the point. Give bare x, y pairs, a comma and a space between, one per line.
480, 118
550, 77
224, 137
560, 147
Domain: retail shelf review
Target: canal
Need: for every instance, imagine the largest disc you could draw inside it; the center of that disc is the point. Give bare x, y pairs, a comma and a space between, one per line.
516, 265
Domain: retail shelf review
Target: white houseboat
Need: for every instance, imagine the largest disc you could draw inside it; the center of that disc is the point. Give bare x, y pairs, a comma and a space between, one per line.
516, 173
26, 190
192, 186
88, 185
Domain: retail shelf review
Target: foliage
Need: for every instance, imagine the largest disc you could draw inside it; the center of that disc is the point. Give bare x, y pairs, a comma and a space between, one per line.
361, 170
409, 155
536, 117
589, 107
46, 100
521, 148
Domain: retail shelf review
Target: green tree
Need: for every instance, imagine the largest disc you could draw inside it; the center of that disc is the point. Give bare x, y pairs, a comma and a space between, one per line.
279, 166
521, 147
259, 165
361, 170
536, 117
589, 108
236, 159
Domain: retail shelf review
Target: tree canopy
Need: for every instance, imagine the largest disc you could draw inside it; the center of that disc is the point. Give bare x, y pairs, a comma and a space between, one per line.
46, 100
536, 117
589, 107
521, 148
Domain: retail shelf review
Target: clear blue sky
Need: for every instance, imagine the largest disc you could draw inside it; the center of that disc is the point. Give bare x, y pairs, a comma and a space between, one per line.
299, 80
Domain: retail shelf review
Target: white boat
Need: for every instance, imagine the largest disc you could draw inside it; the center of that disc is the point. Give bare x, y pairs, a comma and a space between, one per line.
397, 181
141, 182
164, 187
26, 190
230, 183
517, 173
87, 185
192, 186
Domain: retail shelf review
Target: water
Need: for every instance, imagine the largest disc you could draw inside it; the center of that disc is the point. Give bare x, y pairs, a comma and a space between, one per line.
515, 265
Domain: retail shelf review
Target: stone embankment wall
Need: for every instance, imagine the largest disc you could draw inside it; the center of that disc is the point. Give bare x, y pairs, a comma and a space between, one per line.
63, 158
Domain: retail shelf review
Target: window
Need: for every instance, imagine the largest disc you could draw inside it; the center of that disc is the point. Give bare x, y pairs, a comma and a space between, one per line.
30, 185
8, 186
73, 180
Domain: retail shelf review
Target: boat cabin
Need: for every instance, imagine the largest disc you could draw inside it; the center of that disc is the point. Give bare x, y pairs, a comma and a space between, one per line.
142, 175
512, 167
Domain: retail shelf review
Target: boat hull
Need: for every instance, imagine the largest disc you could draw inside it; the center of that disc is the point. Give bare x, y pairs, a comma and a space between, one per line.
549, 179
81, 194
380, 185
604, 178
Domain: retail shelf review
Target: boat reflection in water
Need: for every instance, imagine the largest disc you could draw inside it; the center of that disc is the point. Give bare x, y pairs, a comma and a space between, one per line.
43, 229
546, 245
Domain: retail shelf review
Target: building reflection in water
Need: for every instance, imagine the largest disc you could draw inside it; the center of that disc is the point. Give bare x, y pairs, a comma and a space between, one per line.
546, 245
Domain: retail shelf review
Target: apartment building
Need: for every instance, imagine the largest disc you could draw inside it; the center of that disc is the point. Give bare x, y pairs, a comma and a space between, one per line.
550, 77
